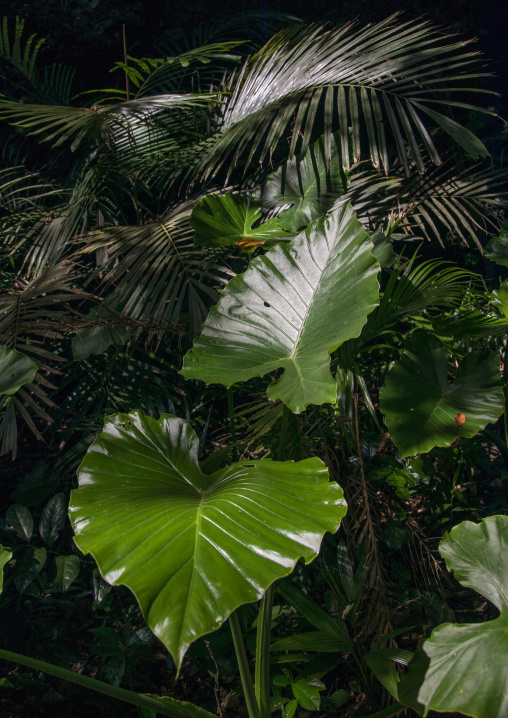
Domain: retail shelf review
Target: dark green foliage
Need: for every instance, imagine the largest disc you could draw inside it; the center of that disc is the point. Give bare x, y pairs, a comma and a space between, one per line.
196, 192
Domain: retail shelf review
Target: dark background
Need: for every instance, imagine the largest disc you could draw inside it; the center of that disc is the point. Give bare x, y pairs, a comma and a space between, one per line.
88, 33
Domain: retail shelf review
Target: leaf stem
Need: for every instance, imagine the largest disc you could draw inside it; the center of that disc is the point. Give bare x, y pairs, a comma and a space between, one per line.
178, 709
231, 412
281, 453
125, 62
243, 664
262, 677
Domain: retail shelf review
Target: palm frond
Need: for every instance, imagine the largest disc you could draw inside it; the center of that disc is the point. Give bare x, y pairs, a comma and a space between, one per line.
171, 74
463, 205
21, 190
71, 125
376, 81
410, 290
20, 58
31, 315
154, 271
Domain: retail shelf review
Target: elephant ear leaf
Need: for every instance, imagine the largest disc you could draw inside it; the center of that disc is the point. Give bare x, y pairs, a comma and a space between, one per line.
420, 404
16, 369
193, 547
462, 667
310, 183
497, 248
228, 219
290, 309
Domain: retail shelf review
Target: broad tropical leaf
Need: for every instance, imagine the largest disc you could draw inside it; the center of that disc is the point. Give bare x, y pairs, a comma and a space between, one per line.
463, 667
229, 219
16, 369
310, 183
194, 547
420, 404
497, 248
291, 309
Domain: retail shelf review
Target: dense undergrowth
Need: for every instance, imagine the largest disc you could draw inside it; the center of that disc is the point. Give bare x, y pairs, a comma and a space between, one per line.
169, 216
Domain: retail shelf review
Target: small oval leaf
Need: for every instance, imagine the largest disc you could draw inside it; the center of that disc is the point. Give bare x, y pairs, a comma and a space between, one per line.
53, 519
16, 369
21, 520
67, 571
28, 566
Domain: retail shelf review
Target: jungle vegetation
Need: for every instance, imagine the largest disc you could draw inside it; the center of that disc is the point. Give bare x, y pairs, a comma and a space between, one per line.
253, 331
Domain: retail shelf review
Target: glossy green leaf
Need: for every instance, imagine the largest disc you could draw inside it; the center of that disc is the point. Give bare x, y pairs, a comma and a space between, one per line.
67, 571
53, 519
194, 547
16, 369
383, 250
464, 667
497, 248
228, 219
420, 403
20, 518
95, 340
289, 709
340, 697
310, 183
28, 567
5, 556
381, 665
289, 310
306, 692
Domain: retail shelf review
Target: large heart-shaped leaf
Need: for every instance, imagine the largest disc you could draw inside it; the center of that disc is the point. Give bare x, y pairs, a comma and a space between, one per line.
290, 309
194, 547
421, 405
464, 667
497, 248
16, 369
227, 219
310, 183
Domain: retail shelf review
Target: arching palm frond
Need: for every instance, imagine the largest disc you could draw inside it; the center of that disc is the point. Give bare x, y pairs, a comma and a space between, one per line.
23, 190
20, 59
443, 202
154, 271
433, 284
149, 76
31, 315
462, 204
378, 81
51, 84
71, 125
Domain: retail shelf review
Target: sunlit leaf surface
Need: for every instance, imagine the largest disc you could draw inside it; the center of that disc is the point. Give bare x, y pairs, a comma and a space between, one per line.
194, 547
